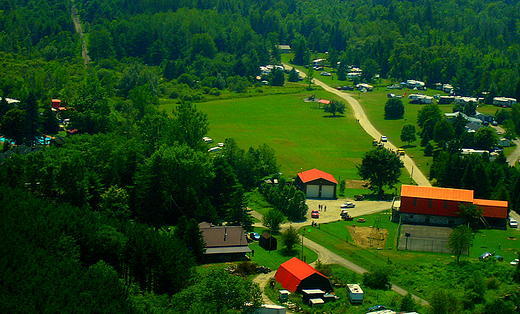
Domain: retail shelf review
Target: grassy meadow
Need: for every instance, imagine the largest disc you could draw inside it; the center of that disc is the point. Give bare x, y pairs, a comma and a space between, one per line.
303, 136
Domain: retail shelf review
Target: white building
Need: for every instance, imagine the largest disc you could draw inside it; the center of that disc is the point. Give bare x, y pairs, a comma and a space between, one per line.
504, 101
464, 100
355, 293
415, 84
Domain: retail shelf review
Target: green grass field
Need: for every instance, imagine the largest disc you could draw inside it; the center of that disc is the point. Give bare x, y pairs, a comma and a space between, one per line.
273, 259
505, 243
374, 104
303, 136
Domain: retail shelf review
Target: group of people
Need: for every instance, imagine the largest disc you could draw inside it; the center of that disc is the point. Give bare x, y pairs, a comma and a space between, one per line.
322, 207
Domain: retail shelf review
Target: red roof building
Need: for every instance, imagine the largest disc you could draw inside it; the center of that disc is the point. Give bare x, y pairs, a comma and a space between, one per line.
324, 101
437, 205
317, 184
296, 275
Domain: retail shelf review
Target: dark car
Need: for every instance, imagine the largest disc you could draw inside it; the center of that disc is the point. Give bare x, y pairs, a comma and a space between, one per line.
376, 308
315, 214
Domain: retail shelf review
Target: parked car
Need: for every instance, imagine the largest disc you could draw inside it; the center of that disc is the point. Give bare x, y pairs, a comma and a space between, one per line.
345, 216
513, 223
359, 197
400, 152
325, 74
315, 214
348, 205
485, 256
514, 262
254, 236
376, 308
384, 138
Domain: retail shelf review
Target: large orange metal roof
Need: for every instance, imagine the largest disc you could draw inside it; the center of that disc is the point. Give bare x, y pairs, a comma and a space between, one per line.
493, 203
437, 193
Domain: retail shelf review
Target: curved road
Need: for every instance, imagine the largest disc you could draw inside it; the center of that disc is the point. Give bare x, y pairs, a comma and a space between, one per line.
362, 118
515, 155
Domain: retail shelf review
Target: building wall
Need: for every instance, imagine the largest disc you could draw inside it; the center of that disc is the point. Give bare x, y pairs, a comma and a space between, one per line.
315, 185
429, 206
430, 219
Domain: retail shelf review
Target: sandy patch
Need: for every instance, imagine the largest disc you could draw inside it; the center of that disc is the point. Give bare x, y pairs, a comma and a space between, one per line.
368, 237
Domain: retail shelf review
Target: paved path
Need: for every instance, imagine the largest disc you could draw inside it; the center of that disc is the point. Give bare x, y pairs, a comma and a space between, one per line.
77, 26
332, 212
362, 118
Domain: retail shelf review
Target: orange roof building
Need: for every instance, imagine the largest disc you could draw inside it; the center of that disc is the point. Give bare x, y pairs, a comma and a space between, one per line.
317, 184
435, 205
296, 275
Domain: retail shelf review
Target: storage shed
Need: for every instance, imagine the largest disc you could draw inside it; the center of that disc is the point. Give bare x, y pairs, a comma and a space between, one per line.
317, 184
296, 275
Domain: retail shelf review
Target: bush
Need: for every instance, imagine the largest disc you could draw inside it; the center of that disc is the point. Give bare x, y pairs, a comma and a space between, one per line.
378, 279
246, 268
325, 269
407, 304
394, 109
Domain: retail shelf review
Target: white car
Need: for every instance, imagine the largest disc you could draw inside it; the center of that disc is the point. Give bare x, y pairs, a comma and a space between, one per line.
384, 138
325, 74
513, 223
348, 205
514, 262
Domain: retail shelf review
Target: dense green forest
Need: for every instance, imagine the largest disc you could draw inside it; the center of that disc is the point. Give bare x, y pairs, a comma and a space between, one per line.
87, 221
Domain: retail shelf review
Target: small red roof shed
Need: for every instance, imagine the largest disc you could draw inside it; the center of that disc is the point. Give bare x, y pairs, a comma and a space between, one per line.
324, 101
314, 174
295, 275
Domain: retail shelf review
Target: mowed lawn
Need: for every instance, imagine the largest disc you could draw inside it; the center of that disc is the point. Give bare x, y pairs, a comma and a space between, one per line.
303, 136
374, 106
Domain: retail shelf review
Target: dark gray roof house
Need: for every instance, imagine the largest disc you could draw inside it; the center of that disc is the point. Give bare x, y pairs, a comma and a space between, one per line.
224, 242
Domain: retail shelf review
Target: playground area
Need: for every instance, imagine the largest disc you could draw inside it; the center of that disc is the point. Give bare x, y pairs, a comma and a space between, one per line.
368, 237
424, 238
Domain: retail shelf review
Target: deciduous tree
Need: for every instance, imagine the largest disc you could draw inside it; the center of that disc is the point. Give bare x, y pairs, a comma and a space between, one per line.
460, 240
382, 168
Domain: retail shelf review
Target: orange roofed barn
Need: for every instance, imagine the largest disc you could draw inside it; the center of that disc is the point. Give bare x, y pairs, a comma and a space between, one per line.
296, 275
316, 184
440, 206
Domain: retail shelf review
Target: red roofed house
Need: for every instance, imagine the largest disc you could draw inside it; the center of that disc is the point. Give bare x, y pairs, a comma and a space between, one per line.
317, 184
296, 275
440, 206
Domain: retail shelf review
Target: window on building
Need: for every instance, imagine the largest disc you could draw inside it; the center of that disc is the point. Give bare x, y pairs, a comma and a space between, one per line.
445, 204
430, 203
414, 202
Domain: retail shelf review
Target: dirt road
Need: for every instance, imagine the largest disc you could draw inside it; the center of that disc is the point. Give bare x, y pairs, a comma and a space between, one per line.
362, 118
513, 158
77, 26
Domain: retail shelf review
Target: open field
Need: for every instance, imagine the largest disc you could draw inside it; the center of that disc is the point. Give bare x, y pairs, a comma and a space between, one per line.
373, 104
303, 136
273, 259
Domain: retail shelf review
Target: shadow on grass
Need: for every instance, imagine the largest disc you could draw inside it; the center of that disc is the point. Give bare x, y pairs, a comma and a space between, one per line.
285, 252
332, 116
408, 146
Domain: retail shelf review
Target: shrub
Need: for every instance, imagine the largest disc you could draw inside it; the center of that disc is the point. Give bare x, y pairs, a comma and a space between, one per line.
378, 279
